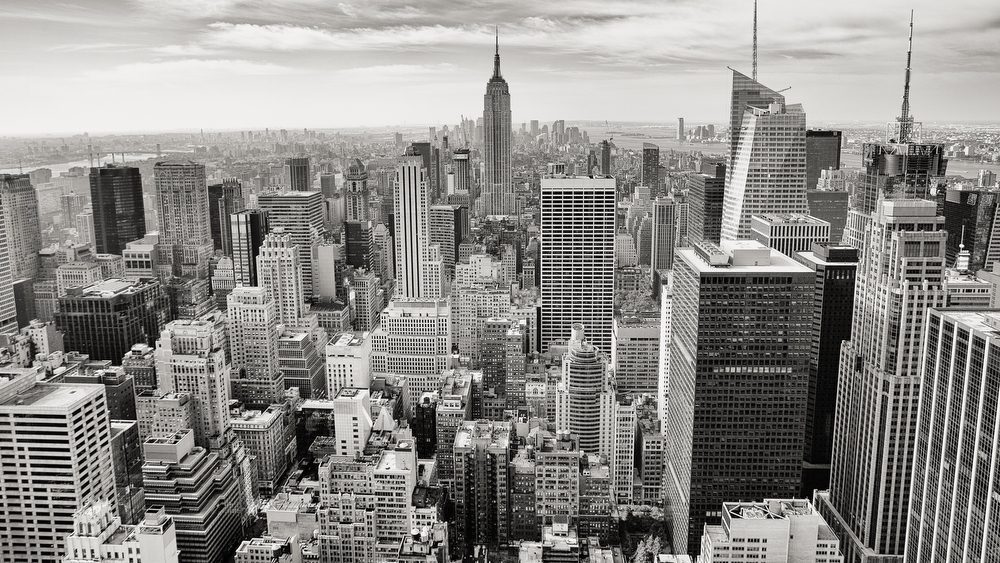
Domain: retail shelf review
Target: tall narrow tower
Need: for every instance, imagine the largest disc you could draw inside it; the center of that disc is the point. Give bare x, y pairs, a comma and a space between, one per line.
498, 188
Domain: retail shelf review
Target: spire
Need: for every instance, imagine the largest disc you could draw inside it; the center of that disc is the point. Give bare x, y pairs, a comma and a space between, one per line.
755, 40
496, 56
905, 120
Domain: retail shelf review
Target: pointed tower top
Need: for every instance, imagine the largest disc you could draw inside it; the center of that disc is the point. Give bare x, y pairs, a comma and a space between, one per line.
496, 56
905, 120
755, 40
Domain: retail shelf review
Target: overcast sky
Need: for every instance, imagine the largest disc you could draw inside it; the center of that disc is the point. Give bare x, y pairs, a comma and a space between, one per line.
144, 65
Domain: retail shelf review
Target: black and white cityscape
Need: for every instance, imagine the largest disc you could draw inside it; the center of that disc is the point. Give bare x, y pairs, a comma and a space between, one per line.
302, 281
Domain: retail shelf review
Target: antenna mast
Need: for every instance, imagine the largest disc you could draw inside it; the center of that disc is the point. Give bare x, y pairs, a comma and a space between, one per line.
905, 121
755, 40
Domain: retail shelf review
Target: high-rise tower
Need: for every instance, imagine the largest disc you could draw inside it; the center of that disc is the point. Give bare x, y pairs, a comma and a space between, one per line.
498, 187
119, 214
185, 243
419, 267
356, 192
899, 278
577, 258
769, 167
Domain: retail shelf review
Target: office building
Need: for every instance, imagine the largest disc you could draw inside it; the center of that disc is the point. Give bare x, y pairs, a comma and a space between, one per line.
769, 167
248, 229
185, 243
969, 217
298, 174
651, 168
498, 185
584, 371
577, 258
830, 206
348, 362
462, 171
746, 92
772, 531
71, 420
605, 158
954, 487
898, 170
899, 278
77, 274
119, 213
19, 207
419, 268
263, 435
198, 489
756, 398
279, 271
190, 359
483, 450
413, 339
789, 233
301, 361
356, 192
835, 270
254, 328
449, 227
163, 414
822, 153
99, 536
454, 407
706, 194
298, 214
664, 233
106, 319
352, 420
635, 353
139, 363
223, 200
126, 465
140, 258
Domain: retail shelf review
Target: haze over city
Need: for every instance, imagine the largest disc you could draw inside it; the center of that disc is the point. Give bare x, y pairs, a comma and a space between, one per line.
147, 65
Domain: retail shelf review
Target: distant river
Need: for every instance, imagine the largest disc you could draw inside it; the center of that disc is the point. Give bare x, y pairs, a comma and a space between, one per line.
60, 167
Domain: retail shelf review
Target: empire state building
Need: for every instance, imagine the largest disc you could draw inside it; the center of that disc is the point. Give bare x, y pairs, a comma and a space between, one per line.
498, 189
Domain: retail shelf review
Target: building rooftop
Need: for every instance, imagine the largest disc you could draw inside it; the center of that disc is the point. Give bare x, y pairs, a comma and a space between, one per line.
53, 396
789, 218
109, 288
739, 256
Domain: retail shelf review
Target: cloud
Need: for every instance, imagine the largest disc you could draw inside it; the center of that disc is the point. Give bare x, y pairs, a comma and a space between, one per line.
178, 70
85, 47
395, 72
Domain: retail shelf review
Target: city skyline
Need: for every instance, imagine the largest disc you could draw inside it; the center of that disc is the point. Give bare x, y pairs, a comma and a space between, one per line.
232, 60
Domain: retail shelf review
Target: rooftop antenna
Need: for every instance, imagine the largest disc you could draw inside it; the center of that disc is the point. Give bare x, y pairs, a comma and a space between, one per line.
755, 40
496, 55
905, 120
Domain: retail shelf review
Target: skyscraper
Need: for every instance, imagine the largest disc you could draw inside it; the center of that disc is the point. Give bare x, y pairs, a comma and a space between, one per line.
185, 243
498, 186
279, 271
55, 447
19, 207
605, 158
419, 266
300, 215
664, 231
119, 214
254, 329
449, 227
651, 168
706, 194
833, 304
768, 174
223, 200
356, 192
584, 370
11, 305
954, 492
190, 359
746, 92
248, 227
969, 218
723, 390
899, 278
822, 153
577, 258
105, 320
298, 174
